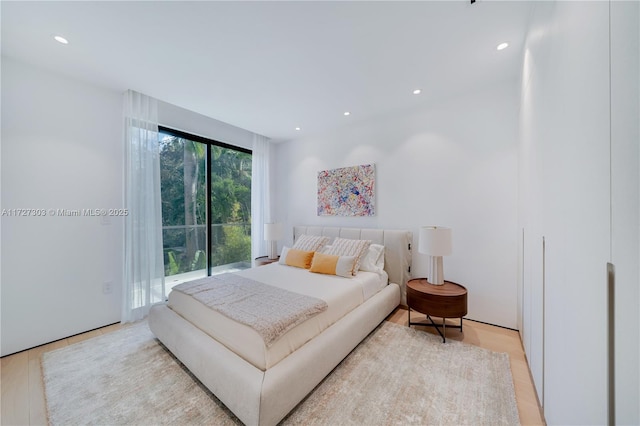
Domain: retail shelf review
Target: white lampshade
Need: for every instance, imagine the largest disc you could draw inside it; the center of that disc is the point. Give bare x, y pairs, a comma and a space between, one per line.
435, 241
272, 231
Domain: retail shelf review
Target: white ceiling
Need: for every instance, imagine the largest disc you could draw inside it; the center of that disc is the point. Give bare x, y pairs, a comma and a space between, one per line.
272, 66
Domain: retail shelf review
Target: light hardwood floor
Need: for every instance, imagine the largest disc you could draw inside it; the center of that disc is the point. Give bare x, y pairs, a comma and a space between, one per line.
22, 389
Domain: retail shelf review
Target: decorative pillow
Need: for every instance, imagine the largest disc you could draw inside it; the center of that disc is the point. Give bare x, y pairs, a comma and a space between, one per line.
373, 260
297, 258
310, 242
333, 265
346, 247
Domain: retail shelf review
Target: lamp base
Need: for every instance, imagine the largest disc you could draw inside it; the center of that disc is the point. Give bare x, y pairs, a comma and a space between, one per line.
273, 250
437, 271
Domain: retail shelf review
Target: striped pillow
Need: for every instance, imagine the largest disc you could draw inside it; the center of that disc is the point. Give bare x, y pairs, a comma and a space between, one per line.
310, 242
346, 247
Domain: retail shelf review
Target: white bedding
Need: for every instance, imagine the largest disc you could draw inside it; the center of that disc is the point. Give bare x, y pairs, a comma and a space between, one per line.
341, 294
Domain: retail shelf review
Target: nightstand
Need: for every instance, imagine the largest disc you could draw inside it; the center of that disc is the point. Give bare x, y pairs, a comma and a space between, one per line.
264, 260
443, 301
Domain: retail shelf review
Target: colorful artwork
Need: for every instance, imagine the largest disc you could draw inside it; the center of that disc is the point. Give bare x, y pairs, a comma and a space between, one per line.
348, 191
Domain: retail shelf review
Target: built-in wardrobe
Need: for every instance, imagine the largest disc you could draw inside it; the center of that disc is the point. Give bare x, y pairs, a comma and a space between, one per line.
578, 209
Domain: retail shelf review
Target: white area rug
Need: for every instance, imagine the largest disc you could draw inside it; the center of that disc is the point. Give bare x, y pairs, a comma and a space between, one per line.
397, 375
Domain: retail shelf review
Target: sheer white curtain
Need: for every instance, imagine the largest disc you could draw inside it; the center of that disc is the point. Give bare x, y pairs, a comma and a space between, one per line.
144, 267
260, 195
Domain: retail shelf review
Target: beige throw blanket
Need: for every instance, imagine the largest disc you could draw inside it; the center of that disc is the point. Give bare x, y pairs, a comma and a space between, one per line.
271, 311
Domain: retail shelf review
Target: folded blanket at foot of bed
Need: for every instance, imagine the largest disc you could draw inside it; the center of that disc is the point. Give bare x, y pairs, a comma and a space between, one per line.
269, 310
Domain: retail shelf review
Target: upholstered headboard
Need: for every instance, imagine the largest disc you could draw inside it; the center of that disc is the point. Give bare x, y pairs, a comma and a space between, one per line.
397, 243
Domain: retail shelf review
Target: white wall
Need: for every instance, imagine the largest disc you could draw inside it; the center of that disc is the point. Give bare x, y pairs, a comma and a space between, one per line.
578, 190
454, 163
178, 118
61, 149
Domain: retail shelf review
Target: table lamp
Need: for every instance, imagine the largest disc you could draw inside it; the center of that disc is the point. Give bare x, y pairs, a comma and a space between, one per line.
273, 233
436, 242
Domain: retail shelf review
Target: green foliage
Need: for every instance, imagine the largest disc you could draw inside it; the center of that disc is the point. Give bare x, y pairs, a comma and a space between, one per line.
171, 267
183, 192
235, 246
199, 260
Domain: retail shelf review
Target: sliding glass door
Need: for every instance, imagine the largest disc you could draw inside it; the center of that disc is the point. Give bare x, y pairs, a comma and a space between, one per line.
206, 206
230, 172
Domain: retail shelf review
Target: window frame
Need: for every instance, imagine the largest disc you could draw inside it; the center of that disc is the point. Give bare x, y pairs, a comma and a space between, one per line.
208, 143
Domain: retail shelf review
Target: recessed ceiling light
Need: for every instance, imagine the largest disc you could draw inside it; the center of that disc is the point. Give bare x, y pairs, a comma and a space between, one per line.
502, 46
347, 113
297, 128
417, 92
61, 39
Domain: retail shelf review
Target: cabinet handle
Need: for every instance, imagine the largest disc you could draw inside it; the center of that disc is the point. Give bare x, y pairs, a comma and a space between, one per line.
611, 283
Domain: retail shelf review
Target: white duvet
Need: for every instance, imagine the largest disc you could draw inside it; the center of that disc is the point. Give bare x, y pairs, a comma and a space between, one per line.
341, 294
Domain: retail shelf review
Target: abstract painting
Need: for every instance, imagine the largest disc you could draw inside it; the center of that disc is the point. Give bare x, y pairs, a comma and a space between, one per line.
347, 191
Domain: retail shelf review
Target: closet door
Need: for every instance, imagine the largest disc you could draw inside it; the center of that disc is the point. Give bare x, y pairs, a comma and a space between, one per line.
576, 219
625, 193
566, 127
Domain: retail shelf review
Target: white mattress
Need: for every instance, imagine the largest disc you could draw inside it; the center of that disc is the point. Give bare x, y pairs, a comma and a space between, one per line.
341, 294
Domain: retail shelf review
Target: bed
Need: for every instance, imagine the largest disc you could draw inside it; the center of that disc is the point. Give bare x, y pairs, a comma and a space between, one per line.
262, 389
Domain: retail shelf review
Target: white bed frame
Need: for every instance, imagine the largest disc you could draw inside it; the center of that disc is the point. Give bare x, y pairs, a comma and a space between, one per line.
259, 397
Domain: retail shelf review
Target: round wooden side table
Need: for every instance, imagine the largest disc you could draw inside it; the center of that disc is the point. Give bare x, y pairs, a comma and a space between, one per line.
448, 300
264, 260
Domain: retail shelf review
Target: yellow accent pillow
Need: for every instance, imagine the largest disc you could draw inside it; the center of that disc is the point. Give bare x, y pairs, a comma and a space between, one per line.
297, 258
333, 265
324, 264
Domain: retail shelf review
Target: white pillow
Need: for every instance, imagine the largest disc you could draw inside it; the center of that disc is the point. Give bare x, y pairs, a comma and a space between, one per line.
373, 261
